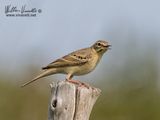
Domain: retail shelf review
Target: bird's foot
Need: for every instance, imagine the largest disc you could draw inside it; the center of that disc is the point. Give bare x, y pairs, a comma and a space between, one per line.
84, 85
79, 83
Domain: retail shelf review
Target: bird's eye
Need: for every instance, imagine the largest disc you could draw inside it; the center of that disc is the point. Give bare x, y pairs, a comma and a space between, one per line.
99, 44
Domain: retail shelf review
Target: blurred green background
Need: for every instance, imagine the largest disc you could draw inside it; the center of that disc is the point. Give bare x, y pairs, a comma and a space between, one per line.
128, 74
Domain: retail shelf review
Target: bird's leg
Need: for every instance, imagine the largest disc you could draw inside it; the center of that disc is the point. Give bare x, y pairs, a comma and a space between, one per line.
69, 79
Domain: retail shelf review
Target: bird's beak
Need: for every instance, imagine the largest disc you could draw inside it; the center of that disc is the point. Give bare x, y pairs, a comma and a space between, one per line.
108, 46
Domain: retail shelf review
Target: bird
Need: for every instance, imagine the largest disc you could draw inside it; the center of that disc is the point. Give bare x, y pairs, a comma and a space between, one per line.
77, 63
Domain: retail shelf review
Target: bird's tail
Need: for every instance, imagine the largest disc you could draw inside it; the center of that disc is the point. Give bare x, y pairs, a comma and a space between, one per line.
45, 73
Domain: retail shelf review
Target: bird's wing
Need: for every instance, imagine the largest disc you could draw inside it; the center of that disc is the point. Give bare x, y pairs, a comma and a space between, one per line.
79, 57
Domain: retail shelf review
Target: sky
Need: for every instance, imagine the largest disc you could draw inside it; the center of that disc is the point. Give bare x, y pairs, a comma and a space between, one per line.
65, 26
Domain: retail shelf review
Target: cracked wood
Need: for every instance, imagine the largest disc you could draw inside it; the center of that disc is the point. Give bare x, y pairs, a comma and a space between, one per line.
71, 102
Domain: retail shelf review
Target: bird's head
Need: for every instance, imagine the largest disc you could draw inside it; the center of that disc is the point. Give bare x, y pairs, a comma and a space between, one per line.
101, 46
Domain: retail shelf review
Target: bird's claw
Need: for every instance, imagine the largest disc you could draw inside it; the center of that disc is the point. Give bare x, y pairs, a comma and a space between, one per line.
79, 83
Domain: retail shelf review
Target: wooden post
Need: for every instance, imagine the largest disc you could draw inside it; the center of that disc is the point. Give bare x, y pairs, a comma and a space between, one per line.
71, 102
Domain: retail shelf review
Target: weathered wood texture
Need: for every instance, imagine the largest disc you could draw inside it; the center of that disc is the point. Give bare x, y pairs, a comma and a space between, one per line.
71, 102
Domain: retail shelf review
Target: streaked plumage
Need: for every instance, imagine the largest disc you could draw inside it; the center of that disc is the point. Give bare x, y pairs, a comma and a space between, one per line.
77, 63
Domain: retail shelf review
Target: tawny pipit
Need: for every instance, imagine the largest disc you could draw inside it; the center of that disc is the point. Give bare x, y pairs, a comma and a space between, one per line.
77, 63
